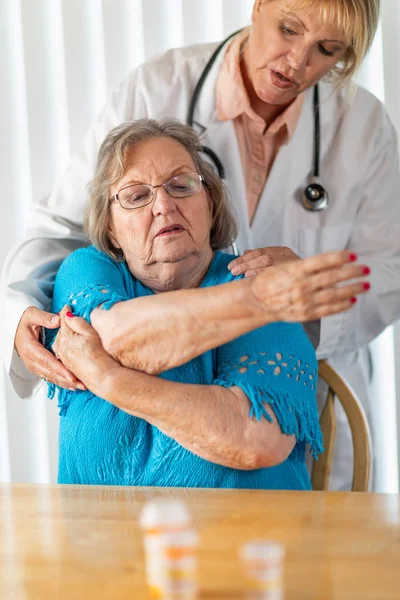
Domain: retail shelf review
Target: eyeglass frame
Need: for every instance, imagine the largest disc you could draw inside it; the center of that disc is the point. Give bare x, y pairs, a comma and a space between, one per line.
115, 197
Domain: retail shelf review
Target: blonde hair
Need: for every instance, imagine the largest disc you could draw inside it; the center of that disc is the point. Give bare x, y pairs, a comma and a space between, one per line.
111, 167
357, 20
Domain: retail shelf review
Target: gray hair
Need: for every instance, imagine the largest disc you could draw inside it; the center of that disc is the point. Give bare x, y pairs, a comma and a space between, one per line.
111, 167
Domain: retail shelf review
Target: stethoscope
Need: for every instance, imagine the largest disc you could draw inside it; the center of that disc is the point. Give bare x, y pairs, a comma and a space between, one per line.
315, 197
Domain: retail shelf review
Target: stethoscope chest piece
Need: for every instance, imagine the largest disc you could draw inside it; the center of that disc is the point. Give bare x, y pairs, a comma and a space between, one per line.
315, 197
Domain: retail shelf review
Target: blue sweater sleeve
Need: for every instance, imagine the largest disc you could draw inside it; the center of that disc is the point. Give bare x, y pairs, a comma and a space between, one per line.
276, 365
86, 279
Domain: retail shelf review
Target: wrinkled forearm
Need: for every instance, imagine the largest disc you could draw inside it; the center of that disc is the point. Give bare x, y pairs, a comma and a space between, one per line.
210, 421
156, 333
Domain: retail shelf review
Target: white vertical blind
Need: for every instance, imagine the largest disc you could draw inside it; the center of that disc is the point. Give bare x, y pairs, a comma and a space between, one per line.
42, 29
383, 387
23, 443
236, 13
15, 168
391, 54
58, 61
202, 20
83, 55
396, 330
14, 128
383, 413
123, 38
371, 74
5, 470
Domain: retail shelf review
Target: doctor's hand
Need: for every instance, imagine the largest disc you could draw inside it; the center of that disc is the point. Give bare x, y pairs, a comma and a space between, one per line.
37, 359
255, 261
304, 290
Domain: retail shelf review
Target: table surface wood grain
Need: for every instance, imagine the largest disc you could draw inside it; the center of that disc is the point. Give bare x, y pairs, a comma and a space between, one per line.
73, 542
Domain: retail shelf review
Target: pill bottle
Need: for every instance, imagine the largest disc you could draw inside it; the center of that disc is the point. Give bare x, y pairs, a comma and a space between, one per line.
158, 518
179, 565
263, 562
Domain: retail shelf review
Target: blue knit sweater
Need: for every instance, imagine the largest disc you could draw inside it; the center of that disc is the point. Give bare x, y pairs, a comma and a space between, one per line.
100, 444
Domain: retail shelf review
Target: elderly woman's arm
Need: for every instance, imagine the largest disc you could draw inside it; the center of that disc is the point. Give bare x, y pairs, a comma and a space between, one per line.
156, 333
209, 420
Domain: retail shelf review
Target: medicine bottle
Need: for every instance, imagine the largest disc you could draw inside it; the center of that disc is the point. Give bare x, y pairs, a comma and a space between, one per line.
160, 517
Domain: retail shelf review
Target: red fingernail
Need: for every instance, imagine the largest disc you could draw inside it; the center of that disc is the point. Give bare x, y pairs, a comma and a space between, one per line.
367, 286
353, 300
366, 271
69, 314
353, 257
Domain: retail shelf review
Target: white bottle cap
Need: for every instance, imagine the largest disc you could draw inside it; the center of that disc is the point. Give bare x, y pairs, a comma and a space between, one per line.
164, 512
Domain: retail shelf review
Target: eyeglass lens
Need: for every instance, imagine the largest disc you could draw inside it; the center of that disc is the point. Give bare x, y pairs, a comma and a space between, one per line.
180, 186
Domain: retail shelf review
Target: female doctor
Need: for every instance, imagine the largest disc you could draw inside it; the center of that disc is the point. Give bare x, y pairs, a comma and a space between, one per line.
310, 161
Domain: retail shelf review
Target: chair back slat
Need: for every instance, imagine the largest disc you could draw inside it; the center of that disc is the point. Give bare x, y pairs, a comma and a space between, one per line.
359, 432
322, 467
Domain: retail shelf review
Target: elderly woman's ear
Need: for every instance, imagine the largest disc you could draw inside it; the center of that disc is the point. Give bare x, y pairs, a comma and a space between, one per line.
210, 200
113, 239
114, 245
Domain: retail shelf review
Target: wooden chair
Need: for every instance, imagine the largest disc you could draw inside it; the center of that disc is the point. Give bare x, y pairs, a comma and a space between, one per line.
359, 430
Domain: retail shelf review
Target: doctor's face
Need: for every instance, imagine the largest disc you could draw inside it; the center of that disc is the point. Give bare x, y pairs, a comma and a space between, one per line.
288, 50
170, 235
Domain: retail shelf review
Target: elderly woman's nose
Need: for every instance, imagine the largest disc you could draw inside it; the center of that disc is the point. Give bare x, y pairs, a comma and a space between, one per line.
163, 203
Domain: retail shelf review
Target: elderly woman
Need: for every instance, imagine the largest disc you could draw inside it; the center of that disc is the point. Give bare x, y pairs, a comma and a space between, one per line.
234, 402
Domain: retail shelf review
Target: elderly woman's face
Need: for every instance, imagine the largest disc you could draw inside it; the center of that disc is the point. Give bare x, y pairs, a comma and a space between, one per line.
289, 50
169, 229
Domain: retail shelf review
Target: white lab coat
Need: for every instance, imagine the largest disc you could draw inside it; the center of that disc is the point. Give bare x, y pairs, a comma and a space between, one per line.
359, 169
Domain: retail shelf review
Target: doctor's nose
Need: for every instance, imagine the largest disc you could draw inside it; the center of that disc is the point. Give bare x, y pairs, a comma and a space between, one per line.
297, 58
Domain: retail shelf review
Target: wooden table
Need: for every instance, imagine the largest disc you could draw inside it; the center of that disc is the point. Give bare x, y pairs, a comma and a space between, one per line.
73, 542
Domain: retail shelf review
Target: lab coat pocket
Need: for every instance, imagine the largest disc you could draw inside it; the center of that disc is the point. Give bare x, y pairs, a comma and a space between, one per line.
314, 240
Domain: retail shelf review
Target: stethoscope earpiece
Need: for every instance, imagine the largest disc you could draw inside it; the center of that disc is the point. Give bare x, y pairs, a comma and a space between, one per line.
315, 197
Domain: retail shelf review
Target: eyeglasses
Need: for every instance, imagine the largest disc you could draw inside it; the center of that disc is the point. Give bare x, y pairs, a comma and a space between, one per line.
141, 194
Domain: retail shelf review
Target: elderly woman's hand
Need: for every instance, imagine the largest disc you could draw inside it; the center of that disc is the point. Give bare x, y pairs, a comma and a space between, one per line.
37, 359
255, 261
79, 348
304, 290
